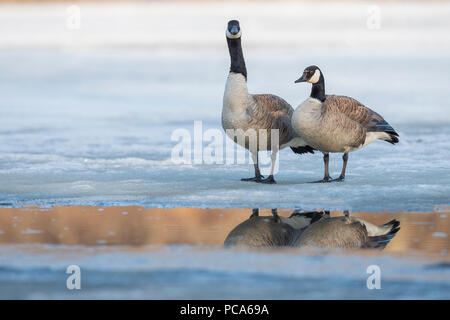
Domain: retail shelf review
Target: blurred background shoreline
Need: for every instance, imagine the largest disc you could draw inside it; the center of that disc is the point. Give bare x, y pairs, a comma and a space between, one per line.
355, 25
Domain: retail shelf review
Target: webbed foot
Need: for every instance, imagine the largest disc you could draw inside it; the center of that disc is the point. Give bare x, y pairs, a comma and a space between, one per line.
254, 179
340, 179
325, 179
268, 180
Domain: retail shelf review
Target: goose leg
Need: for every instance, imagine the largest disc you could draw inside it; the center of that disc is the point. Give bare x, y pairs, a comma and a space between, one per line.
255, 213
344, 166
258, 177
326, 177
270, 179
275, 215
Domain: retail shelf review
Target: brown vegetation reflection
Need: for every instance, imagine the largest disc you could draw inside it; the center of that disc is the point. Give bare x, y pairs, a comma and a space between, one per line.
140, 226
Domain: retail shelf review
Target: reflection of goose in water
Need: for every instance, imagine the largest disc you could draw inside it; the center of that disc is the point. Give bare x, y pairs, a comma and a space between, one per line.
268, 231
347, 232
311, 229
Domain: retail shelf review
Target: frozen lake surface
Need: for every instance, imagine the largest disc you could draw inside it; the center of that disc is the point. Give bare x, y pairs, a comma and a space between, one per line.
86, 117
91, 128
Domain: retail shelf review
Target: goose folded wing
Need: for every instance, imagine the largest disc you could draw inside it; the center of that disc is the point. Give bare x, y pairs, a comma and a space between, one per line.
356, 111
272, 112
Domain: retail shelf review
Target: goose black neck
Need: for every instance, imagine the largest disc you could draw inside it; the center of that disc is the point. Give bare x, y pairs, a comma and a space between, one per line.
237, 57
318, 90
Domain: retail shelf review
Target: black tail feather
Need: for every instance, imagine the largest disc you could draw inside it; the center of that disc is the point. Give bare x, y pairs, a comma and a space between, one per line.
302, 150
394, 223
380, 125
380, 242
393, 137
392, 132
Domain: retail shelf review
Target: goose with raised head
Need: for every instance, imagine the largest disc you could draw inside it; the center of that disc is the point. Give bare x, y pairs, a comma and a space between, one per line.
255, 120
331, 123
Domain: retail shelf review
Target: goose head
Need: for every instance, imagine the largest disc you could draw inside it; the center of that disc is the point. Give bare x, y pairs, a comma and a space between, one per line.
233, 29
311, 74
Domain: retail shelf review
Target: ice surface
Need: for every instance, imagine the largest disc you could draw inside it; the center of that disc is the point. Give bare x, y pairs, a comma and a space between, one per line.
86, 116
180, 272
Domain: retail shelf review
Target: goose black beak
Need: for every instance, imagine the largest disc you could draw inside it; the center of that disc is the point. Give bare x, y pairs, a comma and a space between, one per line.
301, 79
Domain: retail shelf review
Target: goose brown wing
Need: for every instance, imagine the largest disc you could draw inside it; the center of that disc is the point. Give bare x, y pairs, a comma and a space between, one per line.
273, 112
356, 111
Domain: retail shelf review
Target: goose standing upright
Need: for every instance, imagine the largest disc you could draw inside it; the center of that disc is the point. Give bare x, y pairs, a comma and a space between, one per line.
331, 123
260, 113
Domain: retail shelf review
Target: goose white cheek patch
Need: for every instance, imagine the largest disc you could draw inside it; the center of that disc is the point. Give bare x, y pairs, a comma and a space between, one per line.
315, 77
233, 36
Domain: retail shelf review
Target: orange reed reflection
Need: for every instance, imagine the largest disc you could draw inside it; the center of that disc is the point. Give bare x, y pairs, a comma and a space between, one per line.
139, 226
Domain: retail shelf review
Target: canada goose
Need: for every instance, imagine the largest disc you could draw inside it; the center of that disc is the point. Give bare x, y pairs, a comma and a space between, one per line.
347, 232
331, 123
245, 115
270, 231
